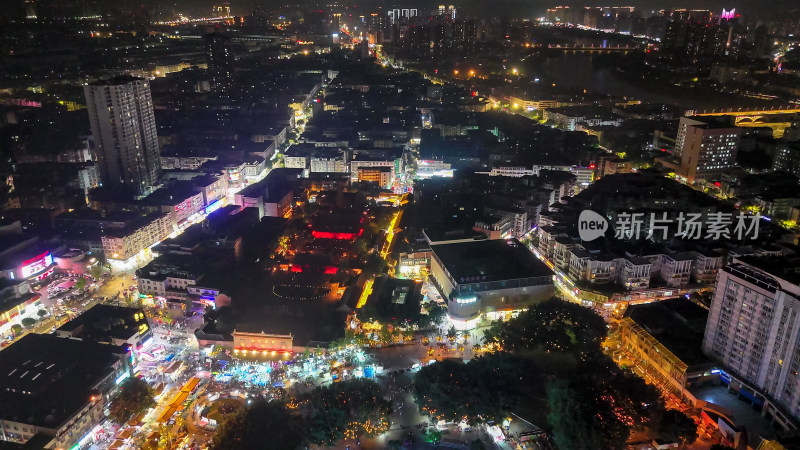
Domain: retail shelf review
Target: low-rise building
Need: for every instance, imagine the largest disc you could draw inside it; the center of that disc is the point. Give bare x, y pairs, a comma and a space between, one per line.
272, 196
635, 273
568, 117
705, 266
492, 277
390, 158
592, 268
664, 338
56, 387
261, 344
676, 269
382, 176
124, 243
108, 324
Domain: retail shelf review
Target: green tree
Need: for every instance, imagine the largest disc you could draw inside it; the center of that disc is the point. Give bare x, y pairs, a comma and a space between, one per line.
134, 396
42, 313
486, 388
262, 422
80, 284
452, 333
28, 322
598, 404
354, 406
553, 326
435, 314
676, 426
359, 248
96, 271
16, 329
573, 427
375, 264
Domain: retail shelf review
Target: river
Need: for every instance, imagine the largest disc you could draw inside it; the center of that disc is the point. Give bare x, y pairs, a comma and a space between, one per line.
576, 70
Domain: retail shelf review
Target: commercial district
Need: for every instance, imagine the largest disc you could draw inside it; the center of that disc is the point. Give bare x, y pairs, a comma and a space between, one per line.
399, 226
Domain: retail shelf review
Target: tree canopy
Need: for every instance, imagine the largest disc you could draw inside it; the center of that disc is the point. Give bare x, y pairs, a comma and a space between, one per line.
678, 427
134, 397
554, 325
592, 405
261, 422
347, 409
485, 388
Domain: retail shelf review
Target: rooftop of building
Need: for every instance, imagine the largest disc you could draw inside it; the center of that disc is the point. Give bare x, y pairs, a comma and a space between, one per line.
93, 215
273, 187
489, 260
785, 267
177, 192
46, 379
584, 111
102, 323
16, 250
638, 261
116, 81
133, 225
677, 323
393, 300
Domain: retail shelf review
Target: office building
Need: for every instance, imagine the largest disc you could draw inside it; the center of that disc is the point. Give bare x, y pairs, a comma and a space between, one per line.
706, 149
124, 133
220, 59
753, 329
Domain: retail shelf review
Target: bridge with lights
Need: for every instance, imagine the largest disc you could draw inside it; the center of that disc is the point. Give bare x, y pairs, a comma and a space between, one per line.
755, 117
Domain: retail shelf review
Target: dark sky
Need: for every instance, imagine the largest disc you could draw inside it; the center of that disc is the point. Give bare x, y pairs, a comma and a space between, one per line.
477, 8
533, 8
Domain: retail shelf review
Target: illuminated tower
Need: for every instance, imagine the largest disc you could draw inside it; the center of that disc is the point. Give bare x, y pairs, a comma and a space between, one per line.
219, 54
124, 133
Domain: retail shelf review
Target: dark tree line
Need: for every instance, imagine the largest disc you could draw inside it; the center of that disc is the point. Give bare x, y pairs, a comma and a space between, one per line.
322, 417
590, 404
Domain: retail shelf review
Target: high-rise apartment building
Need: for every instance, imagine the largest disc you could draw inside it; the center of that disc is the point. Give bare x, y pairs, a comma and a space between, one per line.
705, 148
220, 58
753, 328
124, 133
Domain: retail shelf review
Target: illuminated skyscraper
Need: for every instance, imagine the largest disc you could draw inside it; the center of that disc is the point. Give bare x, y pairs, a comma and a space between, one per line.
219, 54
124, 133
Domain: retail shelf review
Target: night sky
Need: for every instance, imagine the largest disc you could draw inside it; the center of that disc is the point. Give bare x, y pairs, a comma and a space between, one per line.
477, 8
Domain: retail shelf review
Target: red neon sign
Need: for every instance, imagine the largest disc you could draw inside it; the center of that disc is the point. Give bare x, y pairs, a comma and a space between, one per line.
331, 235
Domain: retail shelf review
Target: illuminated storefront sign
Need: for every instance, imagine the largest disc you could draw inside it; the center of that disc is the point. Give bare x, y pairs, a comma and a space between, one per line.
36, 265
214, 206
121, 378
332, 235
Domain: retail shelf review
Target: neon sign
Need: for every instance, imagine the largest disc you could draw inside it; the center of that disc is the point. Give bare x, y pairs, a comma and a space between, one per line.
36, 264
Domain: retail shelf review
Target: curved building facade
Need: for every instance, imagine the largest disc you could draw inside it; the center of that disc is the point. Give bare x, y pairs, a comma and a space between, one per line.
490, 276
